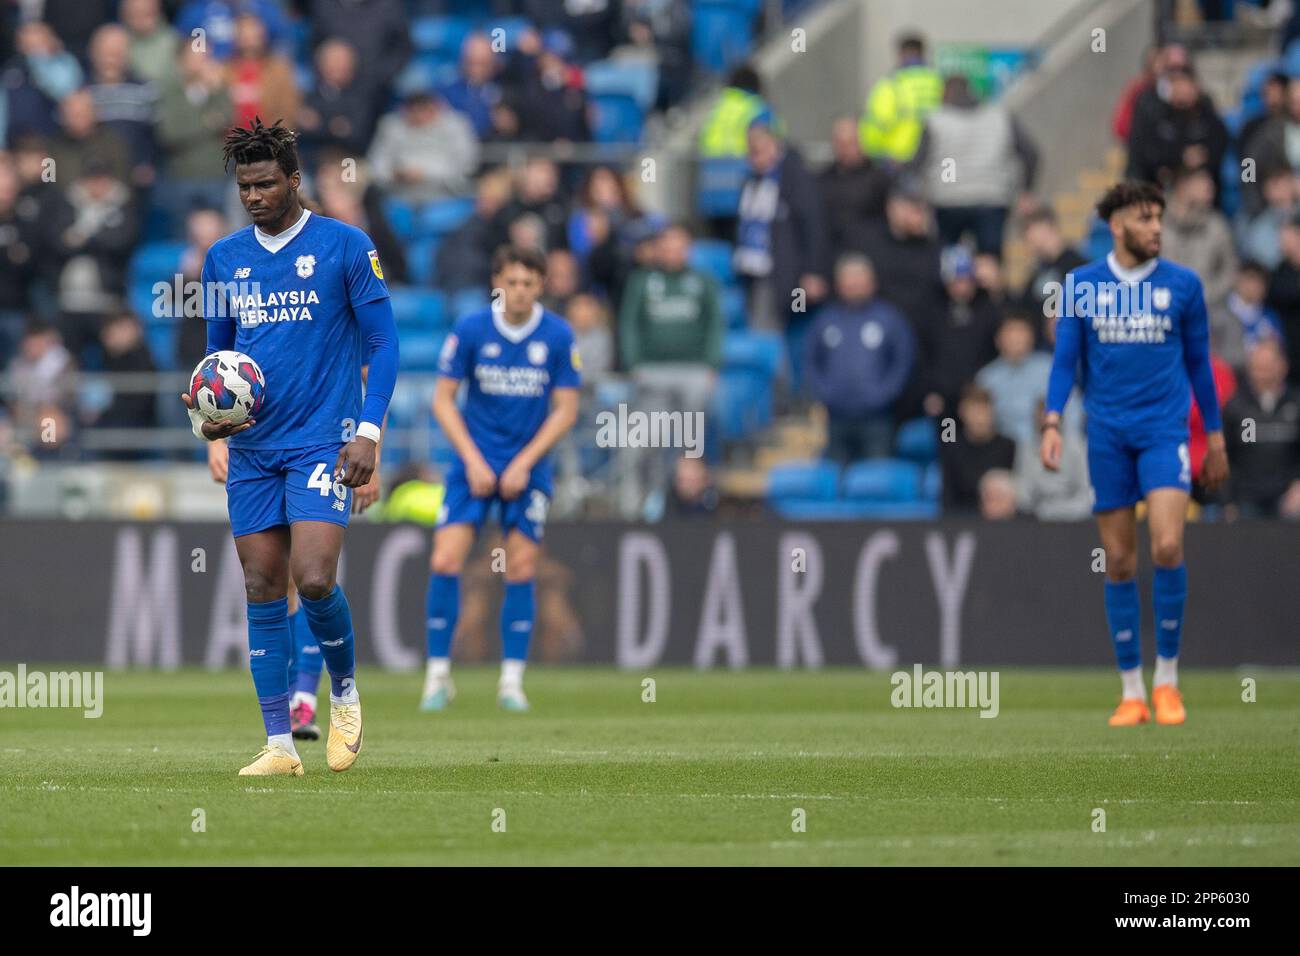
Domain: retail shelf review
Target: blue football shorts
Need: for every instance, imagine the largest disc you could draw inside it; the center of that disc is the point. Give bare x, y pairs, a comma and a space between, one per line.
268, 487
1124, 467
526, 512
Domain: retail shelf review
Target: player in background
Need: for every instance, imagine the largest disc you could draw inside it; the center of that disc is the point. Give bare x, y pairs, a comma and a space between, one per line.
1138, 323
305, 662
521, 397
304, 296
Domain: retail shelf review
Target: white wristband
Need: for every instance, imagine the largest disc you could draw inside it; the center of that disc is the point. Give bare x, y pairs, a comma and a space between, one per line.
369, 430
196, 424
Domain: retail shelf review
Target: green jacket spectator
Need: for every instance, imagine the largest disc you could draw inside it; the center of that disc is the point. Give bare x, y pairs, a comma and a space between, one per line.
670, 316
193, 113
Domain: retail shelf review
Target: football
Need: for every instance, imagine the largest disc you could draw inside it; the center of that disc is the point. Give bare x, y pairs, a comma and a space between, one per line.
227, 387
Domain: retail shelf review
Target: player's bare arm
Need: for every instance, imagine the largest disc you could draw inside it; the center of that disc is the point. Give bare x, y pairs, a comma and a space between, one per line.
218, 461
1214, 471
482, 479
563, 415
1049, 449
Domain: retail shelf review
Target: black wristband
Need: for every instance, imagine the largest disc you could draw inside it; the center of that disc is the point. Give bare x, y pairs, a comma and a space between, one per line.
1053, 424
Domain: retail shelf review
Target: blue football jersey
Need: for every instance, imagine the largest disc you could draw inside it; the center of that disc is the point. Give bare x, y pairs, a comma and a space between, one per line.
292, 311
511, 372
1141, 337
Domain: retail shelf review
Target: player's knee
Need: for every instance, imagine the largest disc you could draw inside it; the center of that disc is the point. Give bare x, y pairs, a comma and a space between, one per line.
521, 569
260, 587
1166, 551
446, 562
1121, 566
316, 584
521, 562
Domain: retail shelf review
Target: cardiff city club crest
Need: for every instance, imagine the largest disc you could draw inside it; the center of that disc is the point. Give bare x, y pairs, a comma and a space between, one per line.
305, 265
537, 353
1160, 298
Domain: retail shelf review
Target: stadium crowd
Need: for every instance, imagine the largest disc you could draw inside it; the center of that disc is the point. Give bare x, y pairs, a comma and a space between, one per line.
884, 276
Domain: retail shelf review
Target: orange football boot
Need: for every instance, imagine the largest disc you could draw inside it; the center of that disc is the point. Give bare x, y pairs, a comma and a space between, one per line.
1169, 704
1130, 712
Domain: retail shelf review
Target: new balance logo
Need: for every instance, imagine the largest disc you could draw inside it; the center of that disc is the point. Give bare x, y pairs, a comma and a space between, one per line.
243, 272
1123, 635
332, 643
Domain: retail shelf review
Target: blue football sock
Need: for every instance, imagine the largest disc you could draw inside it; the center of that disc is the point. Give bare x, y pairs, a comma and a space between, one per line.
305, 678
1123, 614
1169, 596
268, 658
331, 621
442, 607
516, 620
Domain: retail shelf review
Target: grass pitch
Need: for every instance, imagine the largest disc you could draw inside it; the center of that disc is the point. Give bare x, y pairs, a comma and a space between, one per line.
712, 772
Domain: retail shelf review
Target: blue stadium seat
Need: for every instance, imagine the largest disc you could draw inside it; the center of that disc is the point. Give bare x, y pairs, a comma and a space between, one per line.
421, 259
932, 482
917, 441
436, 68
757, 351
440, 34
1290, 63
156, 261
714, 257
717, 185
401, 217
419, 309
742, 405
140, 298
305, 76
722, 32
1098, 242
883, 480
161, 339
733, 306
419, 349
467, 300
638, 80
443, 216
806, 480
617, 118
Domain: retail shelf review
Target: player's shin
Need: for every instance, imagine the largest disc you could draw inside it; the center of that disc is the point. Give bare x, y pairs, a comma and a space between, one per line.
330, 620
517, 611
1169, 596
1123, 615
442, 608
269, 644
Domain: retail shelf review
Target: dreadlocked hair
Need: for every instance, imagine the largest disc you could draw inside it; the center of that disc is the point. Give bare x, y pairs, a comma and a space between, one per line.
259, 142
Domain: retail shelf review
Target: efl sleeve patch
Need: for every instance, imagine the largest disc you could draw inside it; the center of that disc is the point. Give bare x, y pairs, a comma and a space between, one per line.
375, 267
